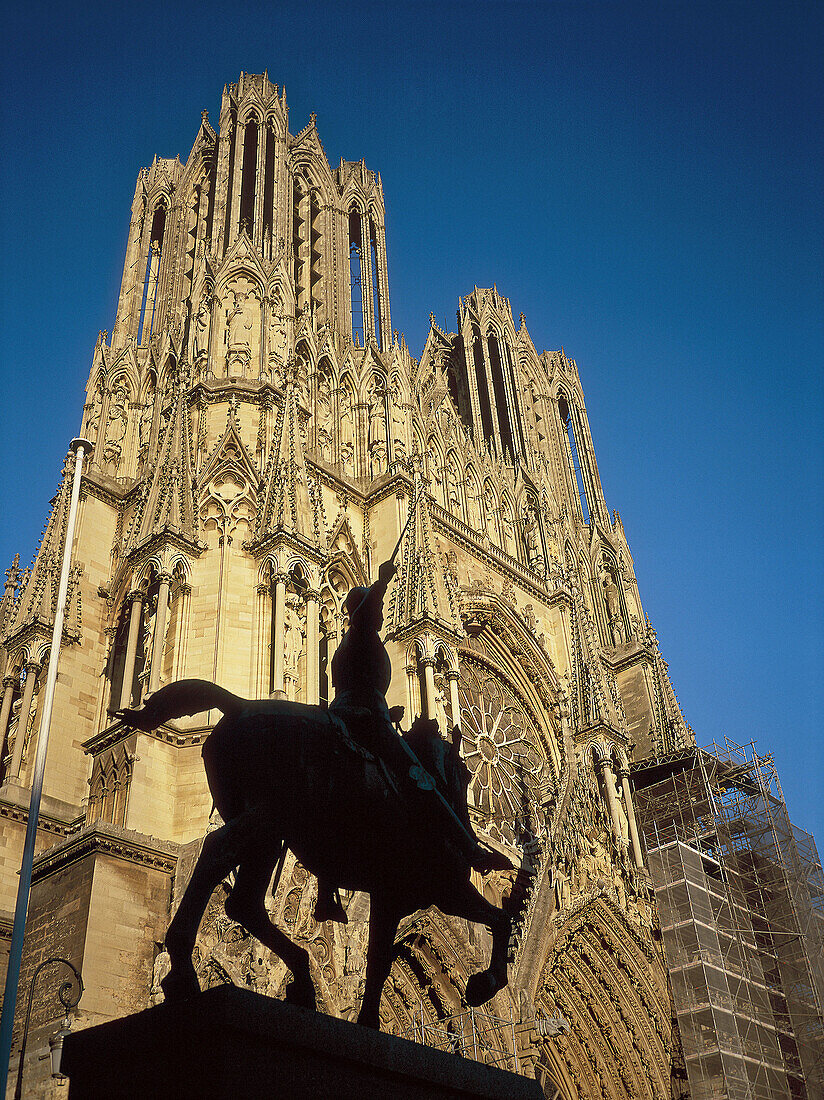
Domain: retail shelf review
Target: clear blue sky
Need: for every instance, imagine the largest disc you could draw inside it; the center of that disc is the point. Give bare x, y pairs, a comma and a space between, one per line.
643, 181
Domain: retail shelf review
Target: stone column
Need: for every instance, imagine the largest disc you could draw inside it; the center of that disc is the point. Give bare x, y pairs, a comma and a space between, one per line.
219, 231
304, 289
312, 647
5, 710
332, 639
237, 178
453, 676
264, 641
428, 707
383, 285
182, 632
367, 299
148, 316
634, 839
135, 623
612, 798
411, 679
278, 691
158, 644
32, 668
257, 217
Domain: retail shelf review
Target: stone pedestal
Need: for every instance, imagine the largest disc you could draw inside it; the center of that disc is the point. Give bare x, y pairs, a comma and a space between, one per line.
233, 1043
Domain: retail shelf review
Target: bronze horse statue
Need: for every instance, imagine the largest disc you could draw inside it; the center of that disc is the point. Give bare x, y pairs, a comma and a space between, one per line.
288, 775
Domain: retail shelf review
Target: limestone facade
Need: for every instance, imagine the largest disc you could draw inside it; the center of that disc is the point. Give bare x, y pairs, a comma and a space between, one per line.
261, 436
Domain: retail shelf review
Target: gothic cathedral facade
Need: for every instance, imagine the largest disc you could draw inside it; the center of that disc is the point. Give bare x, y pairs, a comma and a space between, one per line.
261, 437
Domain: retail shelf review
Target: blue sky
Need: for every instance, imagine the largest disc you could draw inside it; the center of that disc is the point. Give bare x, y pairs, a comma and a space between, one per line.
643, 181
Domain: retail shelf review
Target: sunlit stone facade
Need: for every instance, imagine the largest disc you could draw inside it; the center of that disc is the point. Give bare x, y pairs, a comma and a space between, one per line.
261, 435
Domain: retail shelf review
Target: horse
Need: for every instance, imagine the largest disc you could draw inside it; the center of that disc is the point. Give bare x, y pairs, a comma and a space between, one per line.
288, 775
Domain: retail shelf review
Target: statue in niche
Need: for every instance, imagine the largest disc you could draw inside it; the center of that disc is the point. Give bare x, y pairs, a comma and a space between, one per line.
162, 966
473, 504
94, 413
377, 427
397, 416
277, 333
324, 415
202, 322
292, 641
440, 698
489, 513
315, 780
240, 324
614, 615
532, 537
145, 427
116, 426
347, 431
149, 623
453, 492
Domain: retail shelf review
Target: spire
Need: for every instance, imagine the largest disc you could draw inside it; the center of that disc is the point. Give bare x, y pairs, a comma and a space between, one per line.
168, 499
421, 591
284, 500
37, 597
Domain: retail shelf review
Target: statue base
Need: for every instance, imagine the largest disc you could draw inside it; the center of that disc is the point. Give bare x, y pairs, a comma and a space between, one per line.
234, 1043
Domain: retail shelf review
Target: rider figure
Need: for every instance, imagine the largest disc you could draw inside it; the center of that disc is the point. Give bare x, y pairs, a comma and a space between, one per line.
361, 673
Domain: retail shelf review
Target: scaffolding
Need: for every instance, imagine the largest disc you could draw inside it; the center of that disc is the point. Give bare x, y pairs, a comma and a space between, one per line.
740, 897
472, 1034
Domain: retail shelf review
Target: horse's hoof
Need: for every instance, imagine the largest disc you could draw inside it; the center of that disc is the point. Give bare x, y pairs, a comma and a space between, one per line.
180, 984
301, 994
480, 988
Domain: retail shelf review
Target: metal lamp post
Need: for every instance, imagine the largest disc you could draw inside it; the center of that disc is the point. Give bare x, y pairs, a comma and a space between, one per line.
65, 994
80, 447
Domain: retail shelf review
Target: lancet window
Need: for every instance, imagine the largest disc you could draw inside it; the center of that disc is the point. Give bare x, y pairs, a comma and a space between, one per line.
127, 655
109, 787
248, 187
501, 398
570, 442
155, 251
18, 714
485, 407
375, 287
509, 369
268, 189
356, 276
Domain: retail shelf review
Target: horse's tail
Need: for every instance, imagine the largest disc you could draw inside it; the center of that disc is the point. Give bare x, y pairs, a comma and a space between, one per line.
175, 700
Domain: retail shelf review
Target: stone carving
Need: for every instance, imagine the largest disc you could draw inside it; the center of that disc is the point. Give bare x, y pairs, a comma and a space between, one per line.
201, 327
242, 305
116, 425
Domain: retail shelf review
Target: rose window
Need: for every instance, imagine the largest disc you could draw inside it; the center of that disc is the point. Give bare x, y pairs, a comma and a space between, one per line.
502, 748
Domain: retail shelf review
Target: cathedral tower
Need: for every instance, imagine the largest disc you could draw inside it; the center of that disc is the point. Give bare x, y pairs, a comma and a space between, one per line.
261, 437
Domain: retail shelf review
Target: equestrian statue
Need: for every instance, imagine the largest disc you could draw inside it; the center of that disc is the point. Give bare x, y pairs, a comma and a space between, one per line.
361, 807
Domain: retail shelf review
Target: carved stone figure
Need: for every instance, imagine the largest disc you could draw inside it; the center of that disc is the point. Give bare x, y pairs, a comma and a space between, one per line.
277, 339
240, 324
293, 641
202, 322
532, 536
94, 414
397, 417
116, 426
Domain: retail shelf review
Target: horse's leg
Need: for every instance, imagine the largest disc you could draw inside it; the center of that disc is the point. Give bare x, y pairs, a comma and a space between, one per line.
383, 924
246, 905
220, 854
469, 903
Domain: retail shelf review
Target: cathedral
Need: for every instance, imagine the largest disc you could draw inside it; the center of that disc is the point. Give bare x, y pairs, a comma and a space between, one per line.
262, 438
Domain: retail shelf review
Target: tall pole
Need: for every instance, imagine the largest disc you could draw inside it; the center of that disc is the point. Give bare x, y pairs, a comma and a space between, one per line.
80, 447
